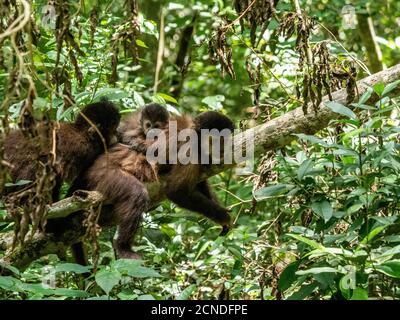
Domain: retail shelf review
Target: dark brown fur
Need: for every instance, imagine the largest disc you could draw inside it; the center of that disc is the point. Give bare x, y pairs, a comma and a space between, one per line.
133, 129
77, 145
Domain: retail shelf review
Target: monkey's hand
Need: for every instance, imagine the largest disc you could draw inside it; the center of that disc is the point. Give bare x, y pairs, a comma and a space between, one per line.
138, 146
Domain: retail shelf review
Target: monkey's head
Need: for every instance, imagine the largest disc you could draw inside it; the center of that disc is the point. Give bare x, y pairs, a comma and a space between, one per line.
104, 115
153, 116
213, 120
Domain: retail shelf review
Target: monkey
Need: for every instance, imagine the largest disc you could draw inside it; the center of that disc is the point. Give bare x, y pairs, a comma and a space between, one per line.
184, 184
120, 176
77, 145
133, 129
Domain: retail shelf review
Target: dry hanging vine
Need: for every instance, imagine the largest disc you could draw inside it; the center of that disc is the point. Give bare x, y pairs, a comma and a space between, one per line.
126, 34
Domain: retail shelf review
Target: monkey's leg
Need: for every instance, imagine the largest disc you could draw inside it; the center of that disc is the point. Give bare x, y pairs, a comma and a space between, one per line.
196, 200
130, 200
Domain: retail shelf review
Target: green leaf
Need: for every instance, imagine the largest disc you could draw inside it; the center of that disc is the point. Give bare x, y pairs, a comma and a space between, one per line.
107, 279
18, 183
365, 97
323, 209
312, 139
288, 276
341, 109
167, 97
379, 88
9, 267
111, 94
304, 168
373, 234
214, 102
236, 251
72, 267
203, 248
8, 283
271, 191
359, 294
146, 297
310, 242
185, 294
390, 87
390, 268
317, 271
70, 293
303, 292
141, 43
143, 272
134, 269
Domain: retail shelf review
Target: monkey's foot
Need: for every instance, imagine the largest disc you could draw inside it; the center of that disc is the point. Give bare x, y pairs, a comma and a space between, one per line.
125, 254
225, 230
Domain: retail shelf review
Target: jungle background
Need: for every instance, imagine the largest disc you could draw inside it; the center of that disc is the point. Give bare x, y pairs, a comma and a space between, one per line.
317, 219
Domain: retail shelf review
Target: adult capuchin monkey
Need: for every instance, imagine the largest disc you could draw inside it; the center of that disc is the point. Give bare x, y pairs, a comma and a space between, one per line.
77, 145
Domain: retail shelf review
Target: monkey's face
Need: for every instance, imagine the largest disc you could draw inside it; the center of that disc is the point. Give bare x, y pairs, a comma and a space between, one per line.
148, 124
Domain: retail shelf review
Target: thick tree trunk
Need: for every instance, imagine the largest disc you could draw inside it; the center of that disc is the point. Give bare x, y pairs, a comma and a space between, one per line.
269, 136
368, 37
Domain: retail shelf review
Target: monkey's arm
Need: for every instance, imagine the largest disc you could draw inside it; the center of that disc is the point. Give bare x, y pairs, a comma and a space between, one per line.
186, 193
138, 145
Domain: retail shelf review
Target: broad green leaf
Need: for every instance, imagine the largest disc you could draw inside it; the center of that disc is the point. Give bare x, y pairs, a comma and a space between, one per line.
323, 209
236, 251
70, 293
341, 109
185, 294
111, 94
373, 234
311, 243
304, 168
270, 191
143, 272
72, 267
390, 268
288, 276
379, 88
18, 183
390, 87
36, 288
203, 248
317, 271
214, 102
8, 283
146, 297
304, 292
359, 294
365, 97
9, 267
107, 279
141, 43
167, 97
312, 139
138, 99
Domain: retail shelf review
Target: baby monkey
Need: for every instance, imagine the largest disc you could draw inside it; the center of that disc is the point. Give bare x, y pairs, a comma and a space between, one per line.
134, 129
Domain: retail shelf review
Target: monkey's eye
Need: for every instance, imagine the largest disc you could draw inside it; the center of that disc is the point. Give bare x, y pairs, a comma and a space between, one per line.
157, 125
147, 125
